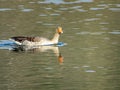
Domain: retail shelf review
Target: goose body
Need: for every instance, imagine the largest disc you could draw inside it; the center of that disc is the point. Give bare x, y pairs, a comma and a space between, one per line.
23, 40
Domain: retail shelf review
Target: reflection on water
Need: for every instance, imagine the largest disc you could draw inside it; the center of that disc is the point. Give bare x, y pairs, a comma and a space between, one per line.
9, 45
91, 30
40, 49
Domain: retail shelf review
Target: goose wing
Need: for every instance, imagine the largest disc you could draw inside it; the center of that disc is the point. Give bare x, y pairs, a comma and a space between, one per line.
23, 38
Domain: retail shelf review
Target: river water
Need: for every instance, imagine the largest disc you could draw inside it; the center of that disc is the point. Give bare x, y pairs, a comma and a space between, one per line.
90, 58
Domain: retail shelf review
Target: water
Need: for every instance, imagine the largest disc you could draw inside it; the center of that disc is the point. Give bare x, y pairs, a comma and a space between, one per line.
90, 60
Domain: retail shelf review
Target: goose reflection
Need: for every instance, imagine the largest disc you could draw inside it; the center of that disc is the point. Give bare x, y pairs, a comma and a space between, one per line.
40, 49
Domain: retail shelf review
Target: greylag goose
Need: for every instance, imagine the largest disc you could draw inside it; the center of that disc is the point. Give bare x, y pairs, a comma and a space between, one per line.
32, 41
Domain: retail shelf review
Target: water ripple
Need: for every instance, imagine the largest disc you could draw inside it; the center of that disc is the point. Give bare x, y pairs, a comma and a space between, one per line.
55, 14
92, 19
90, 71
97, 33
90, 33
82, 10
103, 5
27, 10
6, 9
31, 2
75, 7
104, 23
115, 9
43, 15
63, 9
95, 8
48, 24
118, 5
114, 32
63, 2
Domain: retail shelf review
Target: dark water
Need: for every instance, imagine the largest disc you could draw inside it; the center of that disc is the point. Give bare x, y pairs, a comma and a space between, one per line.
92, 54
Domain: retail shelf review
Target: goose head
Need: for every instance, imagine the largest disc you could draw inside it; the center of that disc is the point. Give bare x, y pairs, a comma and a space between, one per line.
59, 30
